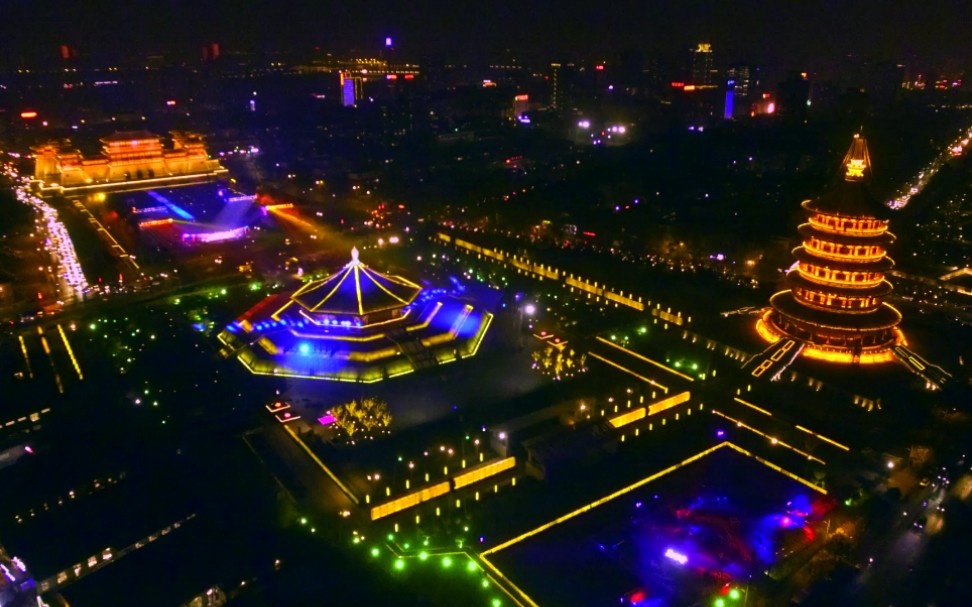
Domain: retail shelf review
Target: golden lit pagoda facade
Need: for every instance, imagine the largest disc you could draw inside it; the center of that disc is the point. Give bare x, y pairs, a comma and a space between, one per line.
128, 160
835, 303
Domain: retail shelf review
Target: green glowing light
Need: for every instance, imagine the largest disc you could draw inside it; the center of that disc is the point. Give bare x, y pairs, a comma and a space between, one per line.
92, 326
399, 564
391, 536
357, 540
406, 546
496, 603
471, 566
720, 603
222, 291
423, 555
847, 502
678, 365
447, 561
485, 583
642, 330
303, 520
734, 594
695, 367
375, 551
254, 286
614, 338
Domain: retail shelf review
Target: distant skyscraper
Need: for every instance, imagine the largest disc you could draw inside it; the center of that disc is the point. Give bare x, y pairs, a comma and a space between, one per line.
560, 79
741, 80
350, 89
703, 71
792, 96
556, 75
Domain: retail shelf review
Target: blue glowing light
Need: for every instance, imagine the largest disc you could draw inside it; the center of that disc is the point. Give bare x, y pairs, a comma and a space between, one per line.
179, 211
304, 349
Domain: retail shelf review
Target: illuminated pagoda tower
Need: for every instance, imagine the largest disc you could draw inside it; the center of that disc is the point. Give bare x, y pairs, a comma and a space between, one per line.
835, 302
356, 325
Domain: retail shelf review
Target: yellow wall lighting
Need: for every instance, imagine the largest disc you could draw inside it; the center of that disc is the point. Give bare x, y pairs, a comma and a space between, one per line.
603, 500
823, 438
773, 466
70, 351
752, 406
484, 471
409, 500
526, 600
23, 348
627, 418
628, 489
669, 402
321, 464
645, 358
773, 439
435, 310
630, 372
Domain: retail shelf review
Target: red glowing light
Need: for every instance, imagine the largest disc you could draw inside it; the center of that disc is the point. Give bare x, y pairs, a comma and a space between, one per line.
28, 115
522, 98
637, 597
599, 68
678, 85
391, 76
409, 76
170, 102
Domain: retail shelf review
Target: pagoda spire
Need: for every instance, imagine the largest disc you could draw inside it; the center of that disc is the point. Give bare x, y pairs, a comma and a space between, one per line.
857, 161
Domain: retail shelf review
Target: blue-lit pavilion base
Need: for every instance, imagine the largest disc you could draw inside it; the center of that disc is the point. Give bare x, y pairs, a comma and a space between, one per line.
192, 214
688, 538
434, 330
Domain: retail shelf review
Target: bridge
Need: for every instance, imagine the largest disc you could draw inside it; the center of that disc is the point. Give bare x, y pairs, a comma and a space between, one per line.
772, 361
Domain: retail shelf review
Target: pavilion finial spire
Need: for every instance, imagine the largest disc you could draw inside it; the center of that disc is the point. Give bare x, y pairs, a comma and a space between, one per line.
857, 162
354, 255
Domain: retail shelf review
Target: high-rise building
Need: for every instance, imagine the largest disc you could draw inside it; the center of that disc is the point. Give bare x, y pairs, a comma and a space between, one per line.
741, 77
792, 96
835, 301
561, 85
703, 71
351, 92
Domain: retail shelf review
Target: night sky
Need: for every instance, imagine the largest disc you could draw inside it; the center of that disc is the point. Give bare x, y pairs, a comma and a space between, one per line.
811, 34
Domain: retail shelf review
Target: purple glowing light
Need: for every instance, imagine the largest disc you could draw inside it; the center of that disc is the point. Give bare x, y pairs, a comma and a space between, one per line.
388, 41
220, 236
326, 419
678, 557
720, 433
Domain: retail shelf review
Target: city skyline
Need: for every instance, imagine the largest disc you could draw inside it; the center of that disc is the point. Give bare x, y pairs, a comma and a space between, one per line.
818, 36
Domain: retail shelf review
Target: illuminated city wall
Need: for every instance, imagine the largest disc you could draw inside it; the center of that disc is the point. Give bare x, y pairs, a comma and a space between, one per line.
126, 158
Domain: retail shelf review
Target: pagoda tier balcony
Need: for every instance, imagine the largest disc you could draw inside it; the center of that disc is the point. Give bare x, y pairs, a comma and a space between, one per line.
883, 317
879, 289
882, 264
884, 238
